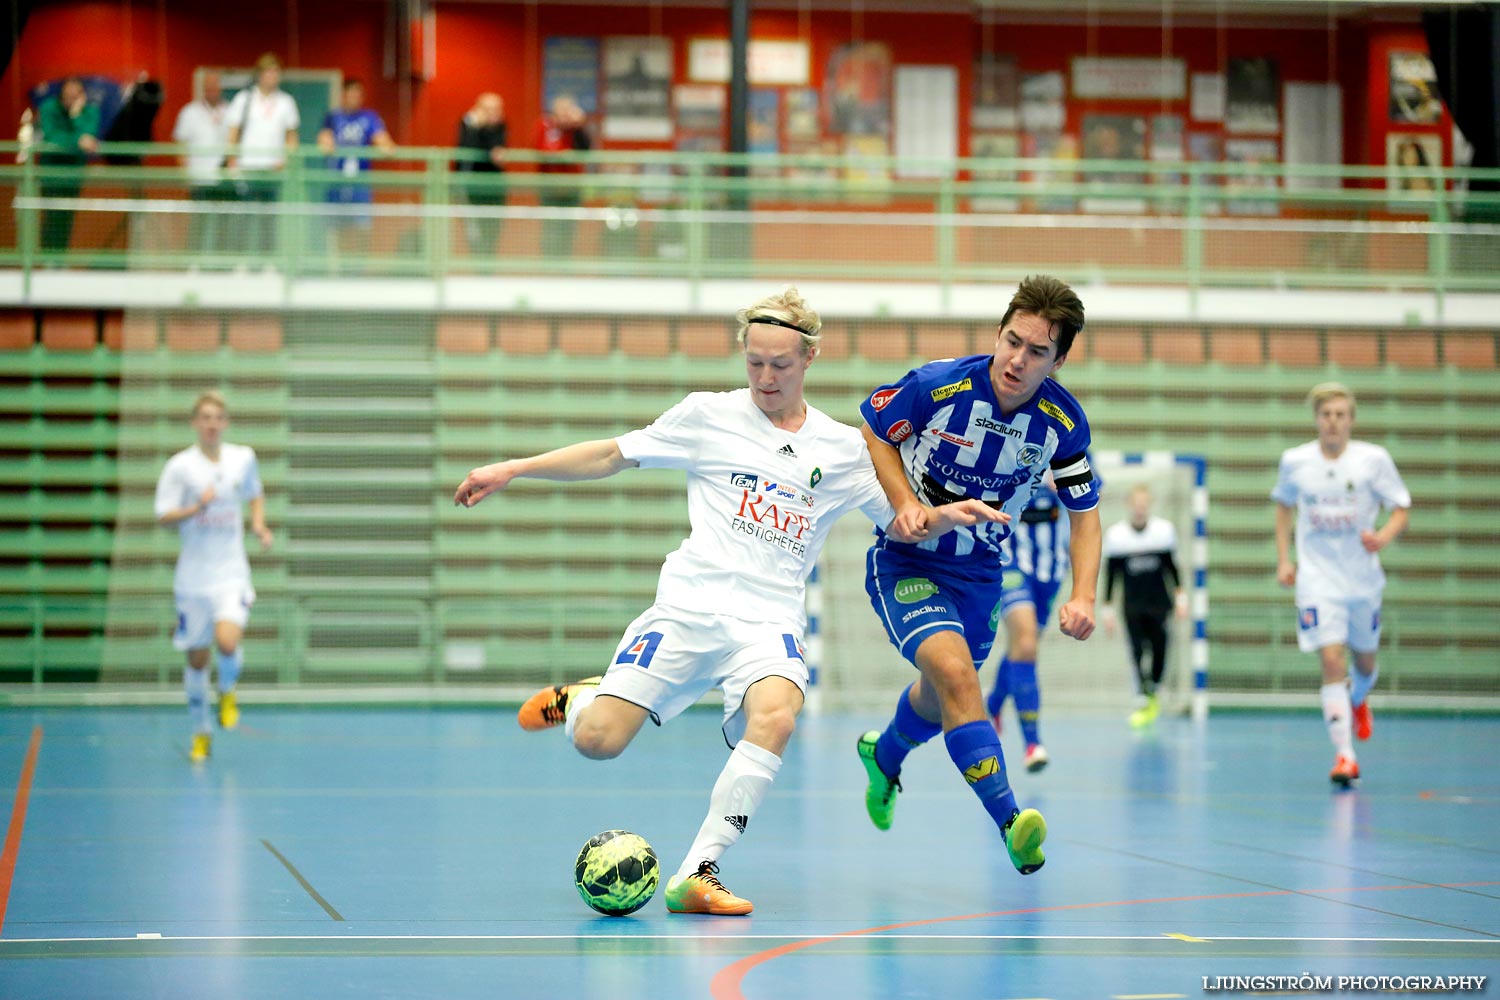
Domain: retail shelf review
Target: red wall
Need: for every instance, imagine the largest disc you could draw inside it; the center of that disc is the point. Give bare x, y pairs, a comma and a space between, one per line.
498, 47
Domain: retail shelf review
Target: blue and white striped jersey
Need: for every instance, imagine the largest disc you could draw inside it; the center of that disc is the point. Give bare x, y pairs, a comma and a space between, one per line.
1039, 538
955, 444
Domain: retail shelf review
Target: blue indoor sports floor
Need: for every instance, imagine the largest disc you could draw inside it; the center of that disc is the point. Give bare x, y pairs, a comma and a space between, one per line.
428, 853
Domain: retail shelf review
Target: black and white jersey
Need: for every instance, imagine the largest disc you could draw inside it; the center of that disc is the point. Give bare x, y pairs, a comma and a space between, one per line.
1144, 560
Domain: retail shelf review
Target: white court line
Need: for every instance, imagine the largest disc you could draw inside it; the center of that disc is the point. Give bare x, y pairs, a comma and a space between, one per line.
732, 937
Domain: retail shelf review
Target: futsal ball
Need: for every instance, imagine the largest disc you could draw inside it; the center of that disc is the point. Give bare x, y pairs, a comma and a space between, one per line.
616, 872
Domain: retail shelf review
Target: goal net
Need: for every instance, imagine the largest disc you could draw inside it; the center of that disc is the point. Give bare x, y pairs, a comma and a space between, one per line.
857, 668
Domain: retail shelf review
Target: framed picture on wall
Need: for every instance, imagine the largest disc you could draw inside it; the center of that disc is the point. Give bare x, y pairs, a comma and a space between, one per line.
638, 89
1413, 90
570, 68
1263, 152
1253, 96
995, 146
858, 86
997, 93
802, 114
1413, 159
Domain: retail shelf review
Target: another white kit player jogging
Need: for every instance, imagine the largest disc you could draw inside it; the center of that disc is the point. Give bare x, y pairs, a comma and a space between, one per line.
202, 492
1336, 488
767, 475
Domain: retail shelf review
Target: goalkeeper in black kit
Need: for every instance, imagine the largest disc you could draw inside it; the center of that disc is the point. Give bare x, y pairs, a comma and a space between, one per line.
1141, 554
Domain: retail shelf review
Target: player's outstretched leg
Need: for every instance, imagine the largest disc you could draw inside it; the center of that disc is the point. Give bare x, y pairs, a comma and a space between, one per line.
702, 892
880, 794
550, 706
975, 751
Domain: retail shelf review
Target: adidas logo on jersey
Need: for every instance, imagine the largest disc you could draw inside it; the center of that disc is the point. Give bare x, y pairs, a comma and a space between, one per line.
786, 449
738, 822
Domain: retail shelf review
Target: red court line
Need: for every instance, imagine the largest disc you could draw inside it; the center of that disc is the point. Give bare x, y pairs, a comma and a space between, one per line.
726, 982
17, 821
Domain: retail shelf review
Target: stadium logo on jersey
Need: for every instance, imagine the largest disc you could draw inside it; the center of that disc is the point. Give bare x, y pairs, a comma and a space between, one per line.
953, 438
900, 431
882, 399
975, 773
997, 427
914, 589
1029, 455
1308, 619
814, 480
942, 392
1051, 409
743, 480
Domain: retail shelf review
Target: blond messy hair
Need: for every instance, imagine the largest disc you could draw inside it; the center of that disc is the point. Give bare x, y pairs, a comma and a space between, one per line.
209, 397
1324, 391
789, 308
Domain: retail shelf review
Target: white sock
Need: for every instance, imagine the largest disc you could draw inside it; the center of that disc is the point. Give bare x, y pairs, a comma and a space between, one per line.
229, 669
1336, 712
195, 683
580, 699
1360, 685
746, 778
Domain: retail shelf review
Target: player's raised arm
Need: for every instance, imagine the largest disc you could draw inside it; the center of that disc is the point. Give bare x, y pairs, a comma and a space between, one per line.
1077, 616
574, 463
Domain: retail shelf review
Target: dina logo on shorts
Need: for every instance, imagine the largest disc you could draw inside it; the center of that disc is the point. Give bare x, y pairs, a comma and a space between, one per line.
914, 589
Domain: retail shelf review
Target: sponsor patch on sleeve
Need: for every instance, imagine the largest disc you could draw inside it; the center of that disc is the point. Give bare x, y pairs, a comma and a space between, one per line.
882, 399
942, 392
1055, 412
900, 431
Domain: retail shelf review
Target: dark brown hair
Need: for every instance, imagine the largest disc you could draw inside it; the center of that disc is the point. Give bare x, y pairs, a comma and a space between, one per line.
1045, 296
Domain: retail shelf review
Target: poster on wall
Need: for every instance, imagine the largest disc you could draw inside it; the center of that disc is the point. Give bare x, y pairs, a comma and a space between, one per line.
1115, 138
1264, 152
570, 68
1413, 90
1042, 108
1413, 159
638, 89
1207, 102
700, 108
802, 114
1062, 149
763, 130
858, 88
768, 63
997, 93
1129, 78
996, 146
1206, 147
1166, 147
1253, 96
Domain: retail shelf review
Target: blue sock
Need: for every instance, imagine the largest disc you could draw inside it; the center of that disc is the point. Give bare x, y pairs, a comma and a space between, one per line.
907, 731
1028, 698
229, 669
1002, 688
195, 683
976, 753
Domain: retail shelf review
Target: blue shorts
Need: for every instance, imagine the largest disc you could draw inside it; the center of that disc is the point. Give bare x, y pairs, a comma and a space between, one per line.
1020, 590
915, 597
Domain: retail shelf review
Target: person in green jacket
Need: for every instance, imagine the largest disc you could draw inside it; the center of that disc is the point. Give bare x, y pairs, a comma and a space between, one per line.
70, 127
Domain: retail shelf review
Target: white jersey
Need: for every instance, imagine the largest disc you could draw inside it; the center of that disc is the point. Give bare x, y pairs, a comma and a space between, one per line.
1336, 499
213, 541
263, 121
761, 501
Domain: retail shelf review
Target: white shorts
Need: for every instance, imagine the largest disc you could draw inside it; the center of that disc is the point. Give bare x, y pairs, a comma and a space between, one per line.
670, 657
197, 613
1327, 621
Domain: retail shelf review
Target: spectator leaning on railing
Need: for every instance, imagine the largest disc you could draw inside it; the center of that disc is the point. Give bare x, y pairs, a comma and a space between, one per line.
70, 126
203, 126
349, 125
483, 130
263, 123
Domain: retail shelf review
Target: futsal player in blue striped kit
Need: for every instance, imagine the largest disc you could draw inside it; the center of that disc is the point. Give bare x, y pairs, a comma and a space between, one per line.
986, 427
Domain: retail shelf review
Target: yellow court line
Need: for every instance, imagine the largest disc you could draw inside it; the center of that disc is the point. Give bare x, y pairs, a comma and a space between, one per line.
1187, 937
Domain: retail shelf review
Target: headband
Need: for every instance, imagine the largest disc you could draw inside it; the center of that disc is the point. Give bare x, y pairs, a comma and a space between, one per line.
772, 320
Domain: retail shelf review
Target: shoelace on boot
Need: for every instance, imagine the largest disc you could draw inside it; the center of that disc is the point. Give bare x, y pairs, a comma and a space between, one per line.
706, 871
558, 710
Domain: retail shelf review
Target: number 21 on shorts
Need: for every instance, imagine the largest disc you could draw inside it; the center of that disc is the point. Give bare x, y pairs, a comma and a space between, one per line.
640, 649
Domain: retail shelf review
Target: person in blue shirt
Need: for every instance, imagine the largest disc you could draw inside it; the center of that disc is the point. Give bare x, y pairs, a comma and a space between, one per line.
987, 427
349, 126
1037, 563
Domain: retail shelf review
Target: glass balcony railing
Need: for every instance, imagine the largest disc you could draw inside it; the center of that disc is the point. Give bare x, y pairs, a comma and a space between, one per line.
698, 217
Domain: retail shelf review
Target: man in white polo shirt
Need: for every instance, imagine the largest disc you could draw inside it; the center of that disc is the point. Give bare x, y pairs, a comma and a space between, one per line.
263, 123
203, 126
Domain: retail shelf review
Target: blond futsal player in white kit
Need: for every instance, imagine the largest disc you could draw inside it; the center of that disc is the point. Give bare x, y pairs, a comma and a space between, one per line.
1335, 487
767, 475
203, 492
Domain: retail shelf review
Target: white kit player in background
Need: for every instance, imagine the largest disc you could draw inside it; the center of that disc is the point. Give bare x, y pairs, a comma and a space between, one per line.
767, 475
1335, 487
203, 492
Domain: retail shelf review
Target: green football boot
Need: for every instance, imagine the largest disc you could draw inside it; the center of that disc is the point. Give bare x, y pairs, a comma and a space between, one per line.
1024, 834
880, 796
